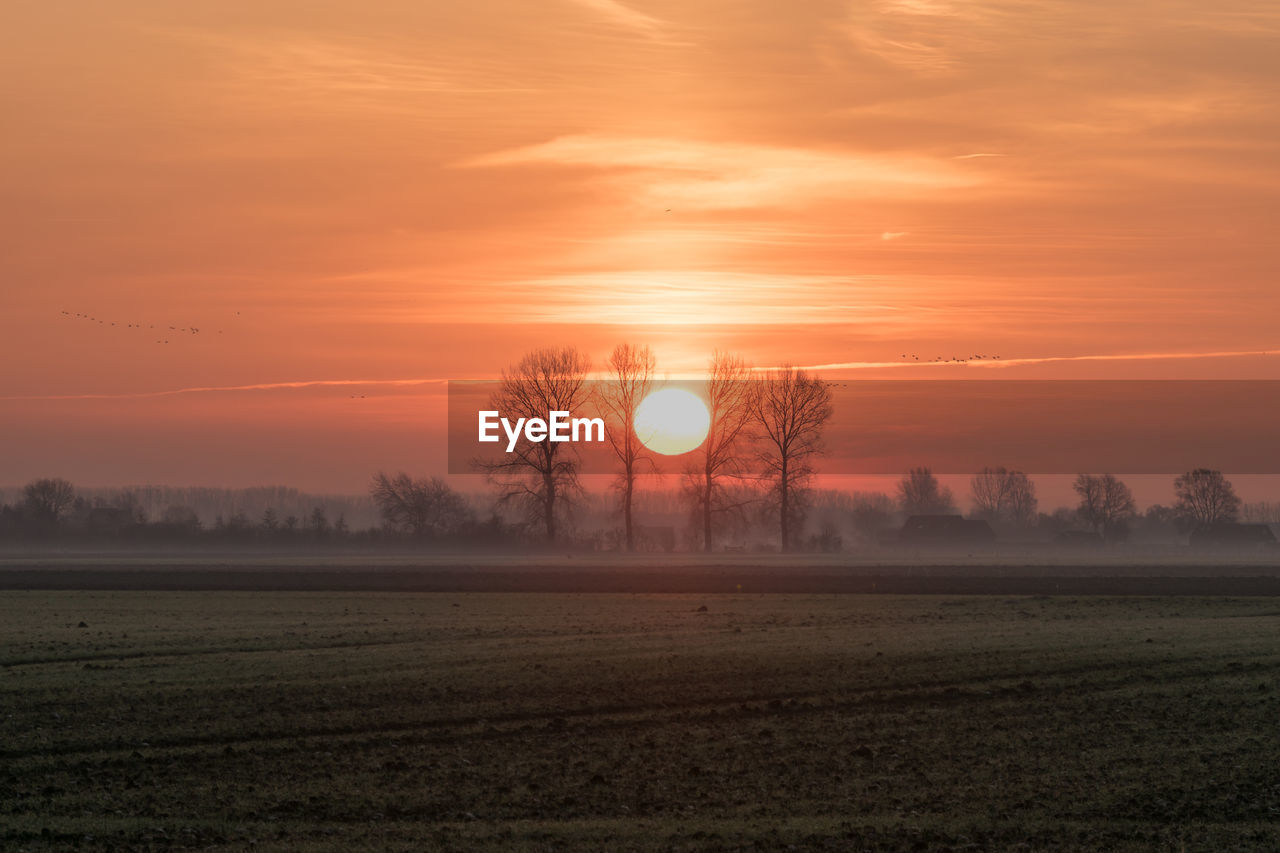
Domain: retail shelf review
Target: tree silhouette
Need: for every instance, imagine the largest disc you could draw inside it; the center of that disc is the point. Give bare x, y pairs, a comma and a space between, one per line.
631, 370
1106, 504
1003, 495
730, 406
539, 476
920, 494
421, 508
1205, 497
48, 499
789, 409
318, 523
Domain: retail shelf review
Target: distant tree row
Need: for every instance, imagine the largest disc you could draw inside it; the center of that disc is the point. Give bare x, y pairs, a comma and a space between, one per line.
50, 510
765, 433
754, 468
429, 511
1203, 498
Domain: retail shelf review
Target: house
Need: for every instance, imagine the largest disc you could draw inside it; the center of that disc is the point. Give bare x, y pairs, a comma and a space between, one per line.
1231, 535
108, 520
945, 530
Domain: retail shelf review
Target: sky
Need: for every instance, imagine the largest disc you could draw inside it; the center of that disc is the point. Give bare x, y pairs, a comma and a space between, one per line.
354, 202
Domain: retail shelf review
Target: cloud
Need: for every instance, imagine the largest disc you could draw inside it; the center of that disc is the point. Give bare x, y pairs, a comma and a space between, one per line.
317, 70
624, 16
928, 38
212, 389
893, 235
683, 174
1050, 359
686, 298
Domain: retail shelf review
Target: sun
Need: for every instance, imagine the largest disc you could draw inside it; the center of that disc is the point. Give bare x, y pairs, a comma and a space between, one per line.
672, 421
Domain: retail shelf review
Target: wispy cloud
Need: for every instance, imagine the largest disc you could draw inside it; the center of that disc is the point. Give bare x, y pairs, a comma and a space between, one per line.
1147, 356
215, 389
924, 37
625, 16
317, 70
1003, 363
684, 174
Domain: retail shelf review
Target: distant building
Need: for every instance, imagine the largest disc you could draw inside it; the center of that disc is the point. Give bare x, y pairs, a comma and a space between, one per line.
1233, 535
945, 530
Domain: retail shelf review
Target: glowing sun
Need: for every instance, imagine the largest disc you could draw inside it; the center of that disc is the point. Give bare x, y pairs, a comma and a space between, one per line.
672, 421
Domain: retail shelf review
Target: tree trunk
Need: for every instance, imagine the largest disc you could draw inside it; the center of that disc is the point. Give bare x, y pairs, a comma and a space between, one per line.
626, 508
549, 507
784, 494
706, 514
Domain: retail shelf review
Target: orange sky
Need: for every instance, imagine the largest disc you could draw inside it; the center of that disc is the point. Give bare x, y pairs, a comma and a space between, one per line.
405, 190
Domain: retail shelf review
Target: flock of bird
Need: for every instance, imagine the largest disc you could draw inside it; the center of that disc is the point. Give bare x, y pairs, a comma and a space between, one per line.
184, 330
176, 330
192, 330
963, 359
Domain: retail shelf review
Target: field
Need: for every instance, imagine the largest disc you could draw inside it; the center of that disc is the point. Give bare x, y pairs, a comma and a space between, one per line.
329, 721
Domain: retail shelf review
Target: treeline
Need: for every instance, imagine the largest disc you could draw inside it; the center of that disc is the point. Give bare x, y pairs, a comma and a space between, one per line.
427, 512
51, 510
749, 483
1106, 510
833, 520
755, 468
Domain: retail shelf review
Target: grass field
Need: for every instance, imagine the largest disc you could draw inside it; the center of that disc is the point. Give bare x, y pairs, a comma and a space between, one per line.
338, 721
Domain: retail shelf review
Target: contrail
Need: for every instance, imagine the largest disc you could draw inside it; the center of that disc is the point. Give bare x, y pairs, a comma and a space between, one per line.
208, 389
1048, 359
838, 365
1145, 356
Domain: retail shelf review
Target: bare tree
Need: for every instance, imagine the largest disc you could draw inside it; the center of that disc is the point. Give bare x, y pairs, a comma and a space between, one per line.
1022, 504
422, 508
920, 494
789, 409
729, 404
48, 499
1003, 495
1260, 512
1106, 504
631, 371
1205, 497
987, 489
539, 476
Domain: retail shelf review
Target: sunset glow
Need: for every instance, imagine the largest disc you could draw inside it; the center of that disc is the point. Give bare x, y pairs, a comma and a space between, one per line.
639, 424
354, 205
